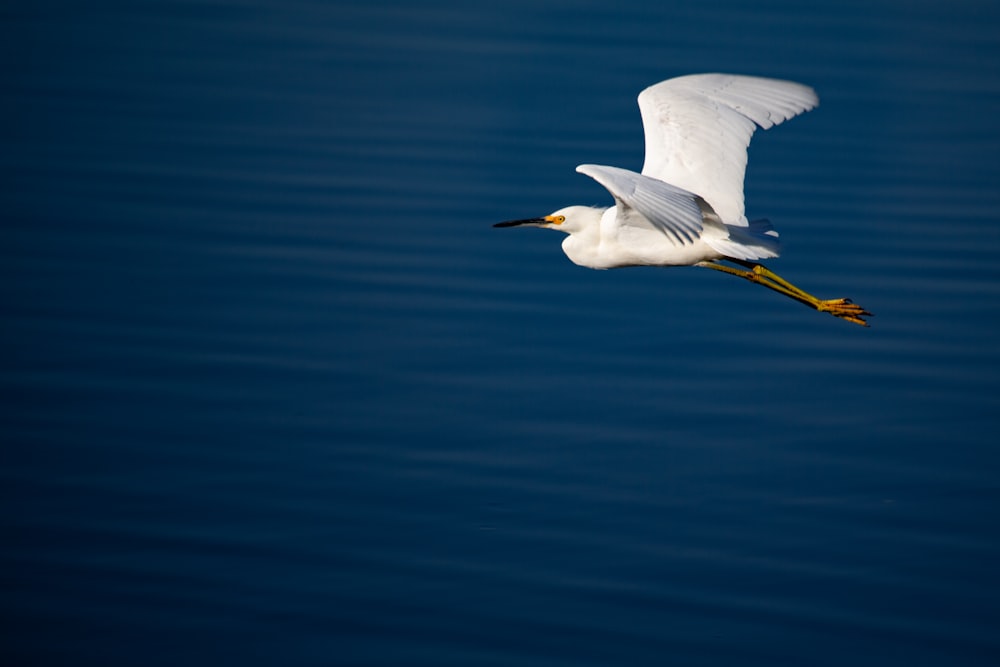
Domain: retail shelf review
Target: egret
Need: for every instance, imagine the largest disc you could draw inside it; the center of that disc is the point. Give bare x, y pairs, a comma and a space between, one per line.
686, 208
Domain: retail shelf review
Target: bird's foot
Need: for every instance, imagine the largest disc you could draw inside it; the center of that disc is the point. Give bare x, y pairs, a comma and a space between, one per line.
845, 309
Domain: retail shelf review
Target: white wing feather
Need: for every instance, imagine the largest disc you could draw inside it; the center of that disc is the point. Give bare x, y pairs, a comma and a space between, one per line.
650, 204
698, 128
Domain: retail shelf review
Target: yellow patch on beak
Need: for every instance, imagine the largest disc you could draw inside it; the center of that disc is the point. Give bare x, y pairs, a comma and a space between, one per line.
556, 219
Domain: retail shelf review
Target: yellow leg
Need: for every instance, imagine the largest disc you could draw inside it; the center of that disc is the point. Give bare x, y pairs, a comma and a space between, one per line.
760, 274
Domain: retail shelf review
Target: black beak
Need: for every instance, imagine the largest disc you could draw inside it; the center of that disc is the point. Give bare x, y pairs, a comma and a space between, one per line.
517, 223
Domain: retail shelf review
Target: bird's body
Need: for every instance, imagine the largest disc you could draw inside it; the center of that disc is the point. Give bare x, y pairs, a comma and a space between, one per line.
603, 243
686, 208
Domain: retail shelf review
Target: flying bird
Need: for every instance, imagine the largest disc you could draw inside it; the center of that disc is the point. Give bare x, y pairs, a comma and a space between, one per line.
686, 207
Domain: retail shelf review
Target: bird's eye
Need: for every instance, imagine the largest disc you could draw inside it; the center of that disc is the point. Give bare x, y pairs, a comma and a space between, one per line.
559, 219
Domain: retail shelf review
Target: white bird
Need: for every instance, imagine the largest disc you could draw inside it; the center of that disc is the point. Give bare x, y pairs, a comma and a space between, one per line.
686, 207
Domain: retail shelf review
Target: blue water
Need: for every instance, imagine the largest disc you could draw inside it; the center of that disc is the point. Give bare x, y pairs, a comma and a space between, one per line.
275, 391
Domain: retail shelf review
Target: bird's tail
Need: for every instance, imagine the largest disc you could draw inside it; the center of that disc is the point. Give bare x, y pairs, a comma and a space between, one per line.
757, 240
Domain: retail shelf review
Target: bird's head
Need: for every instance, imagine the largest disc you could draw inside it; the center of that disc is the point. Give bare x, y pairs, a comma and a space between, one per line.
570, 219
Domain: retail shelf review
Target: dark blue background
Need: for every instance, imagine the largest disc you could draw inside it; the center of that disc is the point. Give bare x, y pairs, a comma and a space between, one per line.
275, 392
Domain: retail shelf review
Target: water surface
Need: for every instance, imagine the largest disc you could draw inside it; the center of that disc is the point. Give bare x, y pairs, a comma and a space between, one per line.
275, 392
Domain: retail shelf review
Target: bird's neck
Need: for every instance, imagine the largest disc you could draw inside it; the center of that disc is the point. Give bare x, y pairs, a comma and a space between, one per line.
583, 246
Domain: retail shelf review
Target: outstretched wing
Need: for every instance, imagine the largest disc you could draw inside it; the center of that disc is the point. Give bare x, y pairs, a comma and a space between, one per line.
649, 204
698, 128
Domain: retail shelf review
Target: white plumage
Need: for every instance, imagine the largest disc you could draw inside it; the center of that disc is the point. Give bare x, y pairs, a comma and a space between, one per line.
686, 207
698, 128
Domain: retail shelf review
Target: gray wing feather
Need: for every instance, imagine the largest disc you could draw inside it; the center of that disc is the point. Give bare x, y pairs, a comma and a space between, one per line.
648, 203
